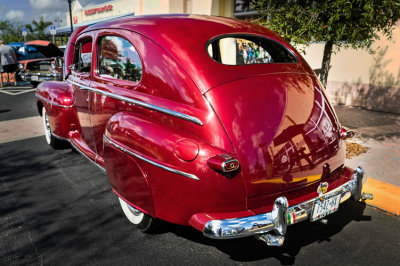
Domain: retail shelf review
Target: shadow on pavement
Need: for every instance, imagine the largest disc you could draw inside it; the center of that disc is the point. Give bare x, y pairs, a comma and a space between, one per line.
298, 236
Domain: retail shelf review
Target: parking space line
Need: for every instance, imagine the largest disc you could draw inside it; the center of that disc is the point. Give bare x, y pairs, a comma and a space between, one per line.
19, 129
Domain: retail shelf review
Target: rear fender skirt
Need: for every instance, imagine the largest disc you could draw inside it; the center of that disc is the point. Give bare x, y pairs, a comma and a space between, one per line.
148, 167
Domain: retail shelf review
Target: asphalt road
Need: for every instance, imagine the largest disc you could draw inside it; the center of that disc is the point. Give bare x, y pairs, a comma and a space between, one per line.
58, 209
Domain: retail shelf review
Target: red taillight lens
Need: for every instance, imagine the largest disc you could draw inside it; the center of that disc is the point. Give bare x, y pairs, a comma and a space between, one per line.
66, 101
223, 163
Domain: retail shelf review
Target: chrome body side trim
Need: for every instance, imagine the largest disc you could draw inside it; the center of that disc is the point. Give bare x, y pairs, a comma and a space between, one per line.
84, 155
52, 102
141, 104
271, 223
107, 140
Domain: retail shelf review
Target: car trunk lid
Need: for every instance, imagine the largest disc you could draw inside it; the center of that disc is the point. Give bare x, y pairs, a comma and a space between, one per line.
282, 128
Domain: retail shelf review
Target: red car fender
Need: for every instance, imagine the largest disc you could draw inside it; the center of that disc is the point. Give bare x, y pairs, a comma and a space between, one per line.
163, 170
57, 98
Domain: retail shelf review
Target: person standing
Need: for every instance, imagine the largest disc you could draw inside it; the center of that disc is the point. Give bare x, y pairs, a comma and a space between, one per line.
8, 60
1, 75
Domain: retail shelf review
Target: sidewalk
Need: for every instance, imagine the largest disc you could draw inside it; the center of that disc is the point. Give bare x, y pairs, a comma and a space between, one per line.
380, 134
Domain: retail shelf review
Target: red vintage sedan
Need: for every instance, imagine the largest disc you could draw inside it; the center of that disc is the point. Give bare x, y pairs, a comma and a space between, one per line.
211, 122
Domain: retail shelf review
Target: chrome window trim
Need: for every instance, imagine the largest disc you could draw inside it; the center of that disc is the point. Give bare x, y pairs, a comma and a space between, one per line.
106, 139
84, 155
52, 102
141, 104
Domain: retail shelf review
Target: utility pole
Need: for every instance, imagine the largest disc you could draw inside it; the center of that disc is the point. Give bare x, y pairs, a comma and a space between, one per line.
70, 15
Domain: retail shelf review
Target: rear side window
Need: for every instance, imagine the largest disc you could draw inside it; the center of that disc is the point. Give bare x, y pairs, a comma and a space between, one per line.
118, 59
247, 49
83, 56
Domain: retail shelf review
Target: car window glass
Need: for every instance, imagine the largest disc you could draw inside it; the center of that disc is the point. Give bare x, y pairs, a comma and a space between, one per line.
83, 56
243, 50
118, 59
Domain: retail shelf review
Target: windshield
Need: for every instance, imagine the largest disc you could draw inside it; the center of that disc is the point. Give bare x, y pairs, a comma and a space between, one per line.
28, 52
248, 49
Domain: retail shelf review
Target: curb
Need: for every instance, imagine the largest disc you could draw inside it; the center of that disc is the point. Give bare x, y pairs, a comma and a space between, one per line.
386, 196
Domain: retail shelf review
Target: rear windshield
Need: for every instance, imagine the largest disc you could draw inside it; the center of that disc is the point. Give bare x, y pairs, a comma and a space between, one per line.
245, 50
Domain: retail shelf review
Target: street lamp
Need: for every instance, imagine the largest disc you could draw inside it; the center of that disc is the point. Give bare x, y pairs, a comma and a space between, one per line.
70, 14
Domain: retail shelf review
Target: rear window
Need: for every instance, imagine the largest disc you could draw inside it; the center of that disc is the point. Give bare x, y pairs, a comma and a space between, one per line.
247, 50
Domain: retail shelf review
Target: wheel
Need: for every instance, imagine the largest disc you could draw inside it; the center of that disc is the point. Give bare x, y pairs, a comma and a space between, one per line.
50, 139
140, 220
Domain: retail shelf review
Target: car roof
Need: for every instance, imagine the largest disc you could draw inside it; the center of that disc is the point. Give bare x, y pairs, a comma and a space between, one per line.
38, 42
185, 38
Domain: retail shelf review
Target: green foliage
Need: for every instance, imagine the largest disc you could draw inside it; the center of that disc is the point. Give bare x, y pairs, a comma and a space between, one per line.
10, 31
39, 27
339, 23
345, 23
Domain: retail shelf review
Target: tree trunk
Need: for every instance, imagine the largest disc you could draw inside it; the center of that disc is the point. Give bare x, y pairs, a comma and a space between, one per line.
326, 60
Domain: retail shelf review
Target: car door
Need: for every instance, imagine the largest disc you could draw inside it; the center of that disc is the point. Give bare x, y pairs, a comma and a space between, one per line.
80, 80
118, 71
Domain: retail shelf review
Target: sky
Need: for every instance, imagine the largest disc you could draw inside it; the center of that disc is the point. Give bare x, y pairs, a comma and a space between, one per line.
24, 11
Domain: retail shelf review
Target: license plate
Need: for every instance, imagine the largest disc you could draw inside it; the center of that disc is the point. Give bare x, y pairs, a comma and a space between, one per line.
324, 206
35, 78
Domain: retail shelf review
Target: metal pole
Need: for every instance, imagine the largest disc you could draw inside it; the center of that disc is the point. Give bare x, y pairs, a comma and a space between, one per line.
53, 38
24, 39
70, 14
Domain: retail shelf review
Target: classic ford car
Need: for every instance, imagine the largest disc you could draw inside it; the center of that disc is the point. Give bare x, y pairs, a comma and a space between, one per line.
40, 61
204, 121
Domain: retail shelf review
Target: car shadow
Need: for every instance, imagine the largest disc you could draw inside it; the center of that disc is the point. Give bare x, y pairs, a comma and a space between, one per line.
298, 236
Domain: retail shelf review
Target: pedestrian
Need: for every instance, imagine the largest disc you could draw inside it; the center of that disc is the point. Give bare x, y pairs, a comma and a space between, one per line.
8, 61
1, 75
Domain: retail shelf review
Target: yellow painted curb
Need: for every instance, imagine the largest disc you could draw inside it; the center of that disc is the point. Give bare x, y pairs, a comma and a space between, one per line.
386, 196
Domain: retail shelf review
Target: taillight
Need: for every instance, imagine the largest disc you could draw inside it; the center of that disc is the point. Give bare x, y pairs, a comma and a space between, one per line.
346, 134
223, 163
67, 101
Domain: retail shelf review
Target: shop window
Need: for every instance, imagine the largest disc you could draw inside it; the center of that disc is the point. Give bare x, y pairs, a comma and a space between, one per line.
83, 56
248, 49
118, 59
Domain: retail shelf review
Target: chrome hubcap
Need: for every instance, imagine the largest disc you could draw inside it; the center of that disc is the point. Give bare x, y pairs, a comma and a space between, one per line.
134, 211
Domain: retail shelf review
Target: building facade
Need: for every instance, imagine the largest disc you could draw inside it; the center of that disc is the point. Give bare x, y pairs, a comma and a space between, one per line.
118, 8
358, 78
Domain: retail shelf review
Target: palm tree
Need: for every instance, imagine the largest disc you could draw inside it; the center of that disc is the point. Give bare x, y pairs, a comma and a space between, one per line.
40, 26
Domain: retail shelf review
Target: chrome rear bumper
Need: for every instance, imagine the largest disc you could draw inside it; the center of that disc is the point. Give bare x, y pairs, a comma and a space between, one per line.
271, 227
41, 76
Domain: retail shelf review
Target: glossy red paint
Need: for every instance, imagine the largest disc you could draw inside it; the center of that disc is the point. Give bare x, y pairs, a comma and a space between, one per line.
274, 118
286, 144
186, 150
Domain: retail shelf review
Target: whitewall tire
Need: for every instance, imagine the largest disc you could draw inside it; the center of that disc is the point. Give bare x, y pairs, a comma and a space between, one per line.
140, 220
50, 139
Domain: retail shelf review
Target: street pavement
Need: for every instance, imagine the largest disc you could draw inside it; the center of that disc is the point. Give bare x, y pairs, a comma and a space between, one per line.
56, 208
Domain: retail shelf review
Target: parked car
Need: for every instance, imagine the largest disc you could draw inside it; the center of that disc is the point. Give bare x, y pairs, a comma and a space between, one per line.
224, 128
40, 61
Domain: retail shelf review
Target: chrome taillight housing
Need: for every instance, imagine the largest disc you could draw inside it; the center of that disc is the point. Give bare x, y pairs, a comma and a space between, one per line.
223, 163
346, 134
